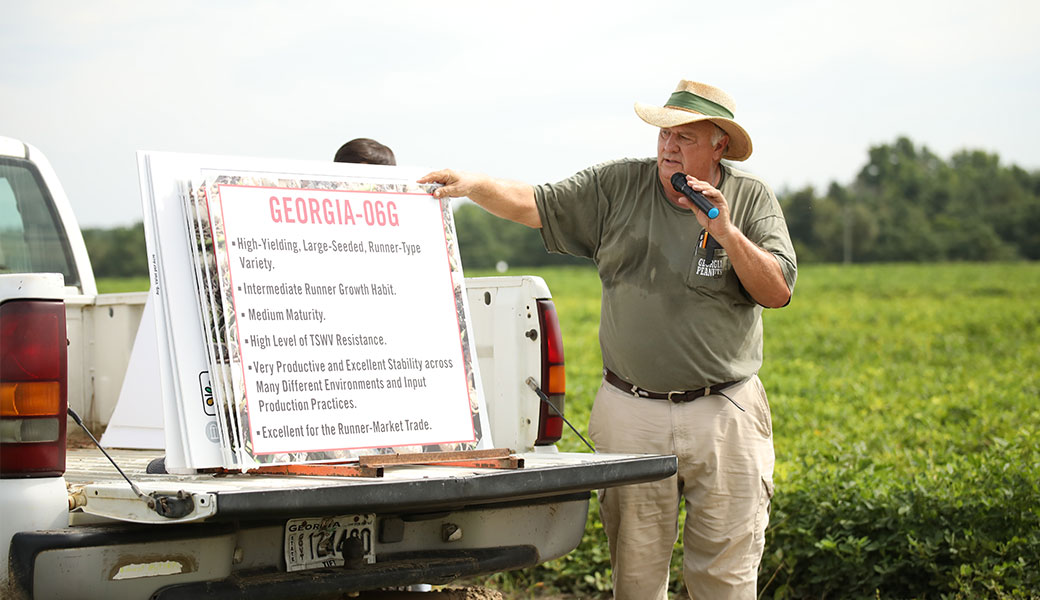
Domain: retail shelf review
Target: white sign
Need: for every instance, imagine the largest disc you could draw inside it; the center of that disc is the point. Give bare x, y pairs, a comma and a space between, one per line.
346, 316
329, 306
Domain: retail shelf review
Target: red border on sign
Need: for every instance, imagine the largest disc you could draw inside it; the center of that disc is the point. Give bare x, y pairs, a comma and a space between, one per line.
451, 289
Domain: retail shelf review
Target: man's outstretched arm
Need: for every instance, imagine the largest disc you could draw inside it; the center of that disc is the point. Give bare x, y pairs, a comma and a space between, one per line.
511, 200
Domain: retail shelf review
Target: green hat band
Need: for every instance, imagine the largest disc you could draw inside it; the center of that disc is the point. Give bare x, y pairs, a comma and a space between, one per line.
696, 103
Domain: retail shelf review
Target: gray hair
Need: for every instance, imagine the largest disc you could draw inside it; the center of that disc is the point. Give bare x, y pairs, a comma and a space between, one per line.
717, 135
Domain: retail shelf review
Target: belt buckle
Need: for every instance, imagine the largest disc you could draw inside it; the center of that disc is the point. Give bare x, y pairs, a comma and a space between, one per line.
672, 399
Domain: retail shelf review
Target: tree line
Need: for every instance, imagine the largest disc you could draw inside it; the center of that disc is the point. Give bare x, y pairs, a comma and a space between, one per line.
909, 205
906, 205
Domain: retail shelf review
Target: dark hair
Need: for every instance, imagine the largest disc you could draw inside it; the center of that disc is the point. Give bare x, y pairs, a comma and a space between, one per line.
366, 151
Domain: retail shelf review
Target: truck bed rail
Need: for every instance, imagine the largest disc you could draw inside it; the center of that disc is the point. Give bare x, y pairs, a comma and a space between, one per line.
403, 488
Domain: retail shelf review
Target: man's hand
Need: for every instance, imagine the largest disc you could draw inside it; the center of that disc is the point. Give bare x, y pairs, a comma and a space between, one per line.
758, 270
719, 227
454, 184
511, 200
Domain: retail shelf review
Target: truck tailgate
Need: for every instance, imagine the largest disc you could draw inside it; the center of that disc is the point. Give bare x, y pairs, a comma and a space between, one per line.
402, 488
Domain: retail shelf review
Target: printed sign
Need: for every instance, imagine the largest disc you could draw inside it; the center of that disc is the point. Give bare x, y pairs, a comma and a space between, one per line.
346, 318
332, 305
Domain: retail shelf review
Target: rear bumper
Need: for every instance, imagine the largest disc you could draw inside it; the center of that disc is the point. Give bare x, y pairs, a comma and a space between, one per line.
246, 558
391, 570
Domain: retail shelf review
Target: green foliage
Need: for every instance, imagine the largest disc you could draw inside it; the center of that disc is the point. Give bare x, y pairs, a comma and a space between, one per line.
906, 420
947, 526
485, 239
906, 205
909, 205
907, 433
904, 401
117, 252
112, 285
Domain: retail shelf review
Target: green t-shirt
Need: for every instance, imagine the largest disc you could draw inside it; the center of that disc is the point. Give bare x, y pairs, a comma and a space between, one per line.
671, 319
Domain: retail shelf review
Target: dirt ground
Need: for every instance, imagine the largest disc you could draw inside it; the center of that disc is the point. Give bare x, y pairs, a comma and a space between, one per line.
461, 593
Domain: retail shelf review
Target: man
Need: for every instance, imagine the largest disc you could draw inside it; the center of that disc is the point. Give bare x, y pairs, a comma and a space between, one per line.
365, 151
681, 335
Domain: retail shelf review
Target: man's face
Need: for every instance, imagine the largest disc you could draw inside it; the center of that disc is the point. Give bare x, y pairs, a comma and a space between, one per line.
687, 149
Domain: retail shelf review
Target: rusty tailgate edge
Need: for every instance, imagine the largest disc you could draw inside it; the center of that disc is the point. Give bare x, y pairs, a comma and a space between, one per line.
436, 494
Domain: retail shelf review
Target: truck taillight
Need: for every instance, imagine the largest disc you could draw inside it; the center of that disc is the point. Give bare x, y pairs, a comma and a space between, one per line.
554, 381
33, 388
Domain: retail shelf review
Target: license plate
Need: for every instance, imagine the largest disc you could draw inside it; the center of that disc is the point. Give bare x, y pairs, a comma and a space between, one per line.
321, 541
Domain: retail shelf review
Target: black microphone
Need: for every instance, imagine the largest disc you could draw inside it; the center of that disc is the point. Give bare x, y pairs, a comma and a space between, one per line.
680, 185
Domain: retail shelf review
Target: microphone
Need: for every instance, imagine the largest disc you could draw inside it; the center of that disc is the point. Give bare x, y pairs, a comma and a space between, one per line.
680, 185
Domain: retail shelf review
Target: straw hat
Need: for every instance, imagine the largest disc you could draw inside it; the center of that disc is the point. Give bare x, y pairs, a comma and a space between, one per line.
692, 102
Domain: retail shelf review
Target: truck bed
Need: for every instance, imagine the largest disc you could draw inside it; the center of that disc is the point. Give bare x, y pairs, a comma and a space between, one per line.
401, 489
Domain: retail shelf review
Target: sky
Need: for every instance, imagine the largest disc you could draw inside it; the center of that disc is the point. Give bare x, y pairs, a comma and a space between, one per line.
532, 90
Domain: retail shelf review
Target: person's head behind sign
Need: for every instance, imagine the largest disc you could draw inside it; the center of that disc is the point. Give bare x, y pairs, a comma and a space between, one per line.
366, 151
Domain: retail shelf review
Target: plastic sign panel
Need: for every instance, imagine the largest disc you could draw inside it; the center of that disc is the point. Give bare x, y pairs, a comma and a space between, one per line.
334, 314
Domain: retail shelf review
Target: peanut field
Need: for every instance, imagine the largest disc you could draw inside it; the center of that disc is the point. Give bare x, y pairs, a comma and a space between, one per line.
906, 414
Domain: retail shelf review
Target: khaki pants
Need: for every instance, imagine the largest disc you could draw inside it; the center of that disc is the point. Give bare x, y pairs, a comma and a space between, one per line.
725, 476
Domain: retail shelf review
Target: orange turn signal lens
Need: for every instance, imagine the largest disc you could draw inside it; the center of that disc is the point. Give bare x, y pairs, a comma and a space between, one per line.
30, 398
557, 380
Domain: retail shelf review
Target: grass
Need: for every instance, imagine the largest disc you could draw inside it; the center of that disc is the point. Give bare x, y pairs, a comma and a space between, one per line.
906, 428
894, 345
113, 285
881, 376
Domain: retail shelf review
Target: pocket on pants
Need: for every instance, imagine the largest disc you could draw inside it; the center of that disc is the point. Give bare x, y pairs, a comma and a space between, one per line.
764, 503
765, 418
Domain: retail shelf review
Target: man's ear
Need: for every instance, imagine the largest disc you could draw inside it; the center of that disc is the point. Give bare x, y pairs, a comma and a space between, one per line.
720, 147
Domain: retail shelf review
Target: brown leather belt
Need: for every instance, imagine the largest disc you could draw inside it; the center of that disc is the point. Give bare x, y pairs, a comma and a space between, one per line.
677, 397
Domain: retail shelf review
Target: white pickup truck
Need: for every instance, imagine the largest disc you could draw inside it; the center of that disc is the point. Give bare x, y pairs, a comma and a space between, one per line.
72, 527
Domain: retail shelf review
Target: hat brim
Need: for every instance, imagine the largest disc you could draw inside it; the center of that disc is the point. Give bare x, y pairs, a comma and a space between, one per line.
658, 116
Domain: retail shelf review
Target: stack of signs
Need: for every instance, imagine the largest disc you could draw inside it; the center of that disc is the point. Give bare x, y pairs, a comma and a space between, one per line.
306, 312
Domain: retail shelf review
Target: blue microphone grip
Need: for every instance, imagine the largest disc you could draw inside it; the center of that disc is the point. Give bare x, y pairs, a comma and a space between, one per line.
680, 185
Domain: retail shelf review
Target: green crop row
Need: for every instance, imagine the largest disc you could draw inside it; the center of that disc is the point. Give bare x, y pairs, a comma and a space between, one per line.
906, 422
